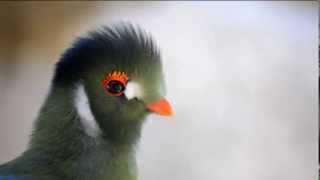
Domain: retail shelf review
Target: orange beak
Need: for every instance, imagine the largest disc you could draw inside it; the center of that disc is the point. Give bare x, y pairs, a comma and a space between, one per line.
161, 107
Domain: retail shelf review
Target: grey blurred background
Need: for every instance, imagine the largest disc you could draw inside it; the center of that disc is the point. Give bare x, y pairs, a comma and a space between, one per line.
242, 77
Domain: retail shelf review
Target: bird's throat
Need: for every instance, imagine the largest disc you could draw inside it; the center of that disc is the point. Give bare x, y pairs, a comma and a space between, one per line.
60, 139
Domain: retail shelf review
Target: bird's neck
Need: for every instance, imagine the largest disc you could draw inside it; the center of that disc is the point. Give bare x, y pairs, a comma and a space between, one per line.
60, 141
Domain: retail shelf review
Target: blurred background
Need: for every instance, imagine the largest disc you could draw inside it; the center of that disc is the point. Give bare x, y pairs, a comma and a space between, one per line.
242, 77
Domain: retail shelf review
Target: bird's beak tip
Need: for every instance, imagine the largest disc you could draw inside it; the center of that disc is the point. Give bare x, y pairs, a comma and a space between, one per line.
161, 107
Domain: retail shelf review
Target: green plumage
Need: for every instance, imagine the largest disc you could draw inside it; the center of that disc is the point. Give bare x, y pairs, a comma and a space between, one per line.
59, 147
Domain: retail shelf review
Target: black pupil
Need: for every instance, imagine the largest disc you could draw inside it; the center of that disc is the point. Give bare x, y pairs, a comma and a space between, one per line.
115, 87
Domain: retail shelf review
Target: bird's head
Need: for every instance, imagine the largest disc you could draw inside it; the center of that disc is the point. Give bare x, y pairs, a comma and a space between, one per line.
116, 77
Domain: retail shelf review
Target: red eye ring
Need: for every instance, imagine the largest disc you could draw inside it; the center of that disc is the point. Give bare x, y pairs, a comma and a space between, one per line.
115, 82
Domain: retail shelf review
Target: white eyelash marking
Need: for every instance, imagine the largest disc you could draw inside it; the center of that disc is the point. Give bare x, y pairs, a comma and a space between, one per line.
83, 108
133, 90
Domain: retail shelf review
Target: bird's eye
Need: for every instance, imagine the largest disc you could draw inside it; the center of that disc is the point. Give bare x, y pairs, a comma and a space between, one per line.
115, 87
115, 83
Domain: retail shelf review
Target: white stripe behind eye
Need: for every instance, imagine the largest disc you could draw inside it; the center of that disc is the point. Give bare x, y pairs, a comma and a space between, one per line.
83, 108
133, 90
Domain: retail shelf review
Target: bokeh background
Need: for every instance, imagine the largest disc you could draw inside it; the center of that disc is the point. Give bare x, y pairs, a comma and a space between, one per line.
242, 77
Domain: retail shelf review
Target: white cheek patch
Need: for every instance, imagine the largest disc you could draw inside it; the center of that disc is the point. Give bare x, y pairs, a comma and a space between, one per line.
133, 90
83, 109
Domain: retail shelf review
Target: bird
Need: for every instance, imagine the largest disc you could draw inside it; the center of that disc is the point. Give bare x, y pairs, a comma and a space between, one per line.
102, 89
